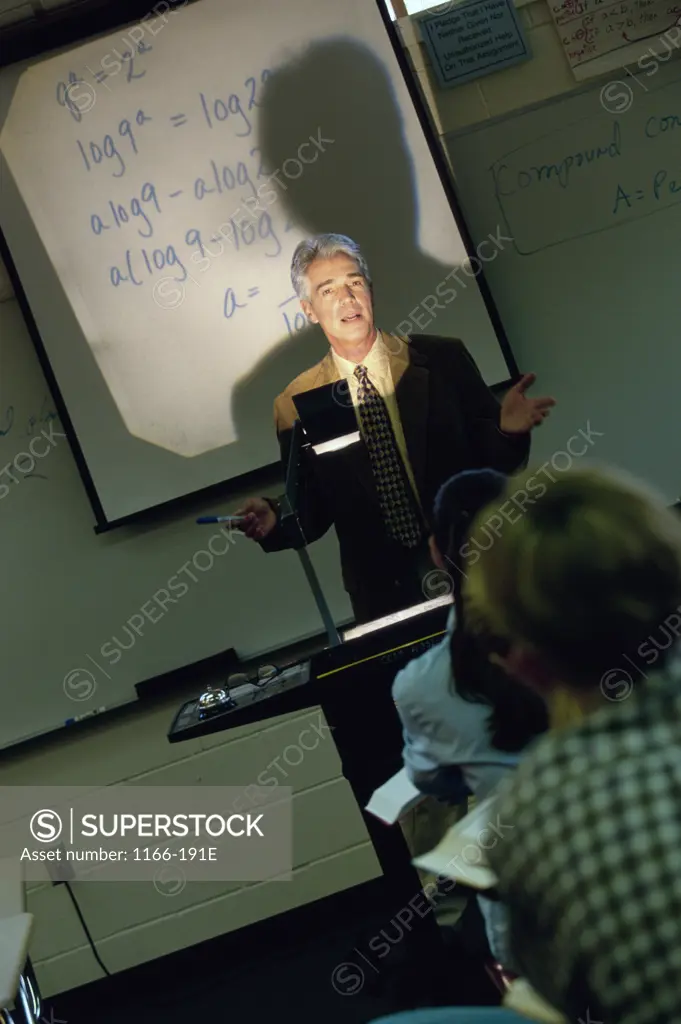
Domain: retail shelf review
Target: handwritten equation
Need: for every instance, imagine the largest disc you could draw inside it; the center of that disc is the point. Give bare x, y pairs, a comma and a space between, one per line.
143, 211
294, 322
590, 29
111, 149
72, 94
661, 187
592, 175
140, 264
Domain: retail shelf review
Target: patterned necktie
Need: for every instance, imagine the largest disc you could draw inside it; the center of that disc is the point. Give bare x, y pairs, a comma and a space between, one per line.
394, 490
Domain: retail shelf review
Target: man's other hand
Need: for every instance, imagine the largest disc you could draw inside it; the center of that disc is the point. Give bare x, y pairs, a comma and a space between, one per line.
260, 518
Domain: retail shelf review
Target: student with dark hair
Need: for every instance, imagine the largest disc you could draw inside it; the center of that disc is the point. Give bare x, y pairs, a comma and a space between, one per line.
466, 721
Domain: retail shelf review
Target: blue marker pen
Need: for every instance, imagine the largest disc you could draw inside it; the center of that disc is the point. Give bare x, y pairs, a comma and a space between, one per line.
87, 714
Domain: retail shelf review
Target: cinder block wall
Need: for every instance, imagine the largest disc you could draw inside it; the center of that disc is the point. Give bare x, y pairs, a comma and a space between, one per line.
132, 922
545, 75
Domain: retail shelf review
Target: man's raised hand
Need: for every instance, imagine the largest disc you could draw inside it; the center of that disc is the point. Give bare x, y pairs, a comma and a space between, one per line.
519, 413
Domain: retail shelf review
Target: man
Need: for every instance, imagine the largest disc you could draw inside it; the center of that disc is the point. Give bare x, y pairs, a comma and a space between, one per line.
424, 414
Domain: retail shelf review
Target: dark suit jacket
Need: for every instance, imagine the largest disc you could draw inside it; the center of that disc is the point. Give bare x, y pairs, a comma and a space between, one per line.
450, 420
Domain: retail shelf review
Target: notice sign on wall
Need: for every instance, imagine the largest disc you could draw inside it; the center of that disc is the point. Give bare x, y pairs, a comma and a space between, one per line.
475, 38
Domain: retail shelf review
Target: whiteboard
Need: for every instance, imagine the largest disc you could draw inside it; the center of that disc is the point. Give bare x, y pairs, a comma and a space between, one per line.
86, 617
586, 189
156, 183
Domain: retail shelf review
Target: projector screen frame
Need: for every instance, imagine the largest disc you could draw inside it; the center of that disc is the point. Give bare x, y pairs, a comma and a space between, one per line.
68, 27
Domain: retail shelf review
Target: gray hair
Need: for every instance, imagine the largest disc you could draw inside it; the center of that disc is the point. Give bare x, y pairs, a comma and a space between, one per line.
323, 247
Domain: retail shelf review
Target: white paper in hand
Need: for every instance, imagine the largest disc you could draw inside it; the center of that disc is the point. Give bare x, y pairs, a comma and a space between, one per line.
522, 998
394, 798
461, 854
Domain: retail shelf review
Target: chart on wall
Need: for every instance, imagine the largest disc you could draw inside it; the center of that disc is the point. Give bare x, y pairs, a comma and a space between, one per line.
598, 36
158, 182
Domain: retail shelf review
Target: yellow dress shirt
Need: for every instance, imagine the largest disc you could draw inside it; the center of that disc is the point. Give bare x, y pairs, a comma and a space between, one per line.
377, 363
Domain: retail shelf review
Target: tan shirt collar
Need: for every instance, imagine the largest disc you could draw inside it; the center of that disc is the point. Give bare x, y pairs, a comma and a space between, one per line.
377, 361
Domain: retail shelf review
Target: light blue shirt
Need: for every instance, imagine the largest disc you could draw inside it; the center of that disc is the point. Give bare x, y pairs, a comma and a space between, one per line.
442, 731
446, 743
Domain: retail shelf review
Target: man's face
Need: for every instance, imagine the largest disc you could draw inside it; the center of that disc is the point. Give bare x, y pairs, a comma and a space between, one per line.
340, 302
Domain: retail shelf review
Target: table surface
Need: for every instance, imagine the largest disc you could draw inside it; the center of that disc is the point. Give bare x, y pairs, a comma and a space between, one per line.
16, 927
12, 890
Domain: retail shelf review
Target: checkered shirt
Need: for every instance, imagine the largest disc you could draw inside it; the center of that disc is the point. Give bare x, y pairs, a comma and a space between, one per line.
392, 485
591, 868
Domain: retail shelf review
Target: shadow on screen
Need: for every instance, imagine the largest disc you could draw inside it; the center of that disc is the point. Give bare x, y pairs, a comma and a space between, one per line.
362, 185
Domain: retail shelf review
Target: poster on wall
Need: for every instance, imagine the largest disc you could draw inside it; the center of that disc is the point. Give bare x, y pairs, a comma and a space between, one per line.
599, 36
